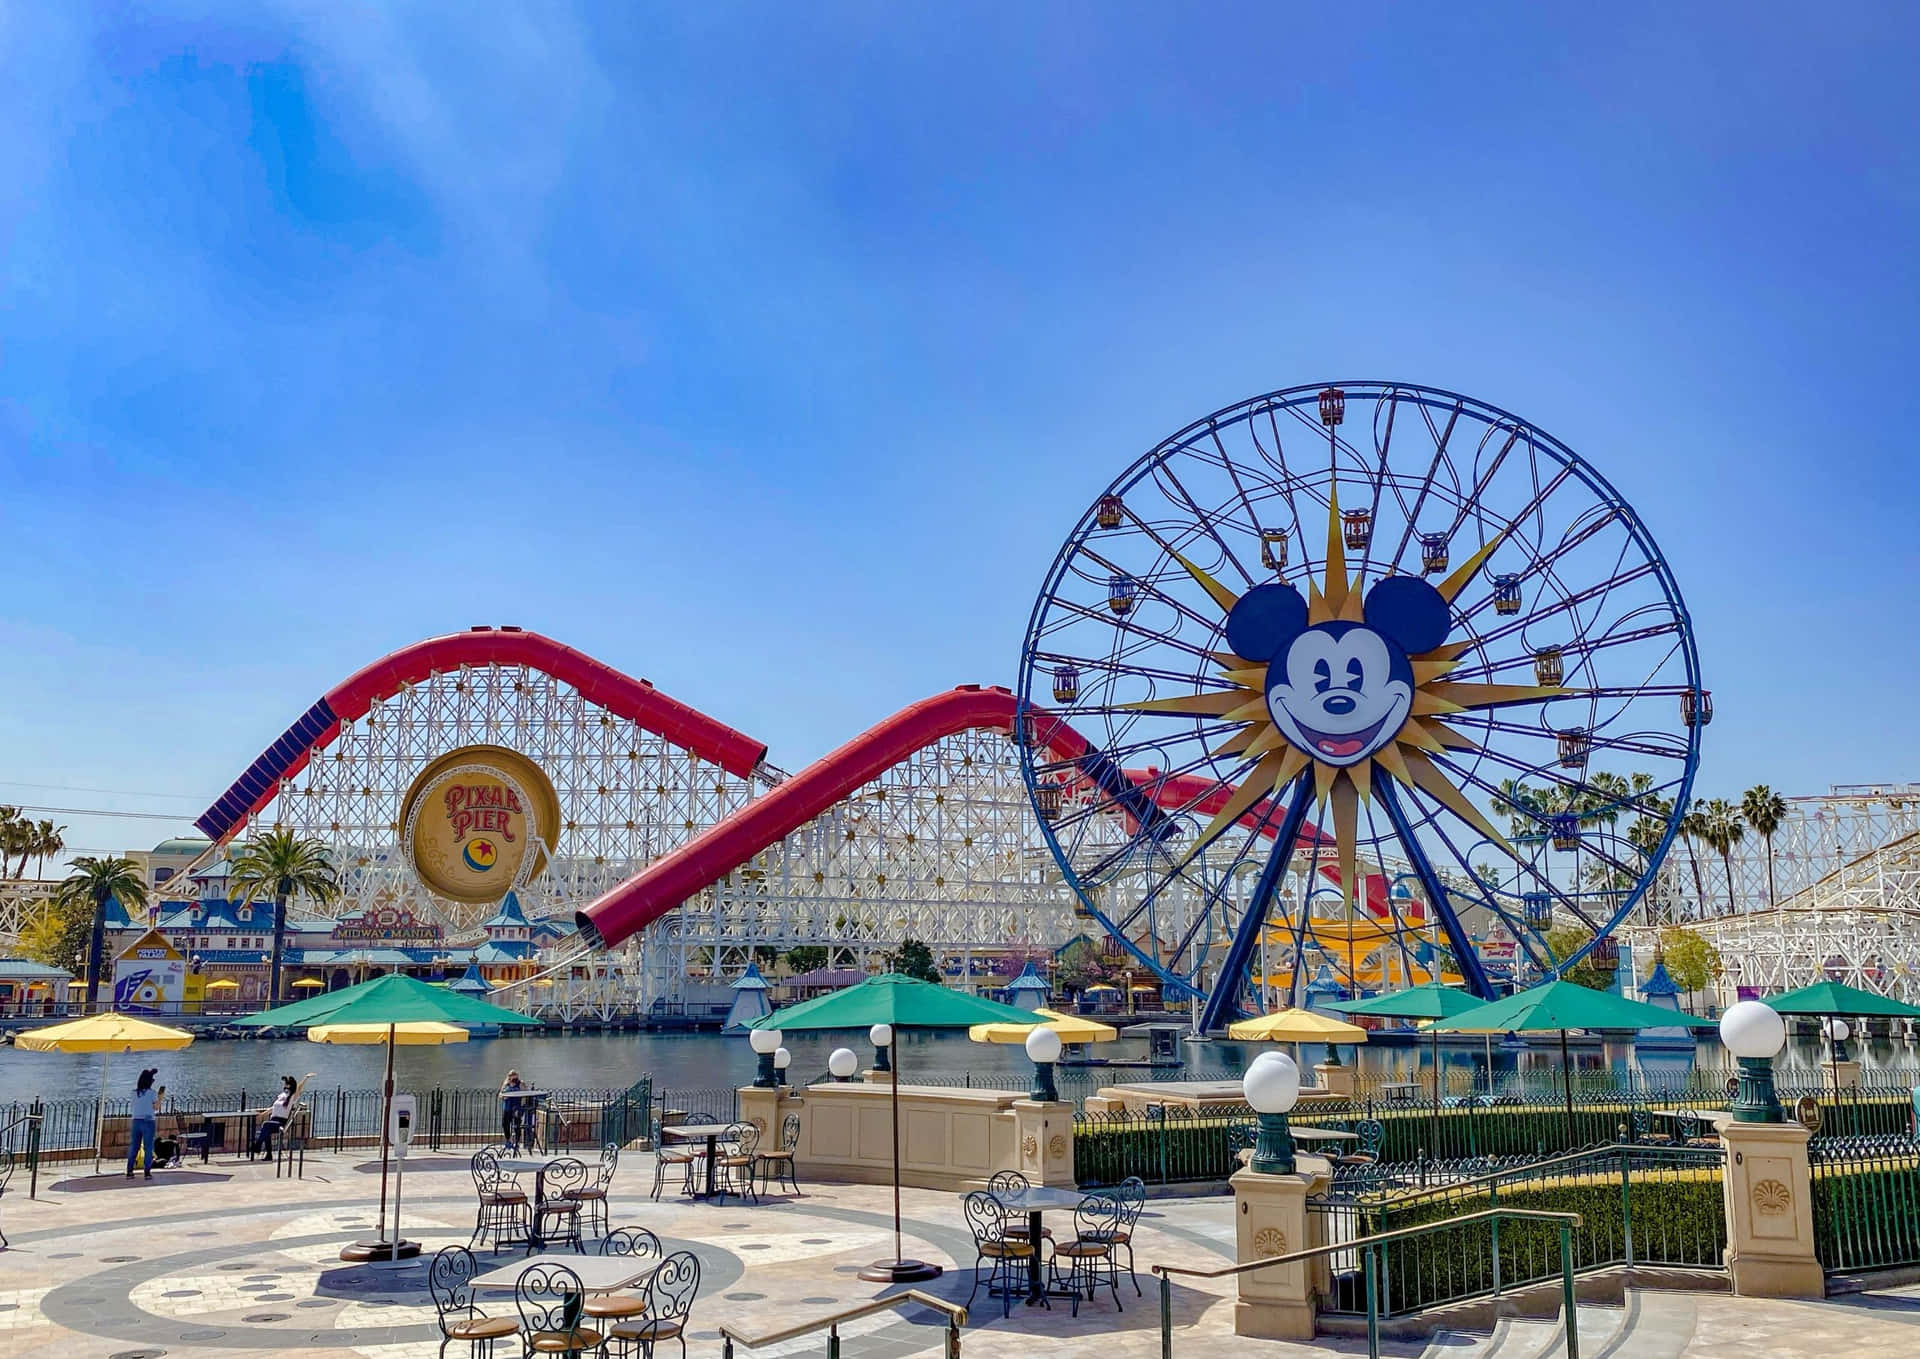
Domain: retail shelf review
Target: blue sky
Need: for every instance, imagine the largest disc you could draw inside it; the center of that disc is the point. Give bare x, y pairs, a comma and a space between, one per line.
769, 352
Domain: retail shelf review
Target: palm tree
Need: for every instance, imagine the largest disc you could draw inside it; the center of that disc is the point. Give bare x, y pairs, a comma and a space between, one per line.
283, 863
14, 832
1764, 810
92, 884
1725, 829
1693, 829
48, 841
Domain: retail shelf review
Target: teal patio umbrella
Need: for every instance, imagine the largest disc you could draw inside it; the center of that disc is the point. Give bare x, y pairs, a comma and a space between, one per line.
1559, 1005
391, 1000
901, 1002
1430, 1000
1831, 999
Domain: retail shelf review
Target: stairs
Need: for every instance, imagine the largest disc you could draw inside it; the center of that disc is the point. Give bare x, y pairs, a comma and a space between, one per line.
1647, 1324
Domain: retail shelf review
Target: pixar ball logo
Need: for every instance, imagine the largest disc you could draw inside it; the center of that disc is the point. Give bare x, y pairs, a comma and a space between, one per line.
1339, 690
481, 855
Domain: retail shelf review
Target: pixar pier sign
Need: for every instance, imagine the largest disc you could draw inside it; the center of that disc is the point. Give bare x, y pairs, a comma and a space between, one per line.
478, 821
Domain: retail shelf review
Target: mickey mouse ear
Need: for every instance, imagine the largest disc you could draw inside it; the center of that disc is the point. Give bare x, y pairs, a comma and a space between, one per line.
1410, 611
1264, 620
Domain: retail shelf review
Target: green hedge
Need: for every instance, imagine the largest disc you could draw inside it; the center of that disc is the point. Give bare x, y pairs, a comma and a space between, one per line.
1678, 1218
1169, 1151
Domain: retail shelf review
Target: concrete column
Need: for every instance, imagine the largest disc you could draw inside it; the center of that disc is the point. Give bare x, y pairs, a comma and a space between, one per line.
1769, 1201
1270, 1218
1341, 1080
1043, 1141
1845, 1075
761, 1107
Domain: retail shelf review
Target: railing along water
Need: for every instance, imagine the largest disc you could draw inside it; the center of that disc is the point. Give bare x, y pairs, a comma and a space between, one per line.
1369, 1248
955, 1314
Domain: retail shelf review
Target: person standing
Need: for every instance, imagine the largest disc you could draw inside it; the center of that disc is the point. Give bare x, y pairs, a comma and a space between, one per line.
510, 1110
146, 1102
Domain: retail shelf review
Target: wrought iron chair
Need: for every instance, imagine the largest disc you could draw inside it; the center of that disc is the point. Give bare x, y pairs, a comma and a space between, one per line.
1091, 1256
683, 1156
1132, 1197
634, 1241
592, 1196
735, 1158
1013, 1182
1366, 1150
504, 1214
670, 1295
557, 1216
550, 1300
778, 1163
450, 1281
1004, 1255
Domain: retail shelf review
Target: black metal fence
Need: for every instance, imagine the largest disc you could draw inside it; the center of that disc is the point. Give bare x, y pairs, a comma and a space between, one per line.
1866, 1202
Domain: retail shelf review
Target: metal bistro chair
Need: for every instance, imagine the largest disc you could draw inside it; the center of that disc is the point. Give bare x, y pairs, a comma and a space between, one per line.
505, 1215
1090, 1256
1132, 1197
736, 1157
684, 1156
557, 1216
778, 1163
670, 1294
450, 1281
1007, 1255
550, 1299
1013, 1182
1367, 1148
592, 1196
615, 1307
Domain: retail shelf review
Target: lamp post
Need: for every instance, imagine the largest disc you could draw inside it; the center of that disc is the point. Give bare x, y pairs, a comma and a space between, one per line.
843, 1063
1271, 1086
1754, 1033
1838, 1031
881, 1036
766, 1042
1043, 1046
782, 1059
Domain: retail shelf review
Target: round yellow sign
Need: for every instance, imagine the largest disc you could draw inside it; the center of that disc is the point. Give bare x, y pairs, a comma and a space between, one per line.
479, 821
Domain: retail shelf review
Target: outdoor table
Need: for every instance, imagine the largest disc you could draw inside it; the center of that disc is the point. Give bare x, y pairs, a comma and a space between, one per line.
521, 1115
1322, 1135
1033, 1201
1400, 1092
711, 1133
537, 1166
597, 1273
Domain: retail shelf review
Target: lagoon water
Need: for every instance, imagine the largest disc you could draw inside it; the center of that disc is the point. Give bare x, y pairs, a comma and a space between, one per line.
707, 1061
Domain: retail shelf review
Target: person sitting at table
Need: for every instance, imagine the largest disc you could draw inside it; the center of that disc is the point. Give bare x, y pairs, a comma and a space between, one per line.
511, 1107
277, 1118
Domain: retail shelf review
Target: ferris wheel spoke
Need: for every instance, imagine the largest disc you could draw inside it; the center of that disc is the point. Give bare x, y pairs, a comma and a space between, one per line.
1204, 521
1441, 440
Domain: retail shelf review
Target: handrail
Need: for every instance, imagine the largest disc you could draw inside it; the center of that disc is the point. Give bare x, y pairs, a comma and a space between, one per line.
32, 1152
1532, 1169
955, 1314
1369, 1248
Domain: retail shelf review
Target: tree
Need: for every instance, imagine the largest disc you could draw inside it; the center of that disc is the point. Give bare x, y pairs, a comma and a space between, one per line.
805, 958
1724, 830
913, 959
92, 884
1691, 960
1525, 807
1566, 940
1694, 828
16, 837
1079, 965
48, 841
1764, 810
285, 864
58, 935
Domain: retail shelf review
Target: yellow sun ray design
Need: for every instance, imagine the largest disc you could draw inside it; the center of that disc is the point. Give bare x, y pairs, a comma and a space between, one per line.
1404, 759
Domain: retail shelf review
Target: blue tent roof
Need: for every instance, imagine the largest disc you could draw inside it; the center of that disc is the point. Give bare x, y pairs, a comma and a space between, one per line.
1659, 984
1029, 980
470, 982
750, 980
509, 916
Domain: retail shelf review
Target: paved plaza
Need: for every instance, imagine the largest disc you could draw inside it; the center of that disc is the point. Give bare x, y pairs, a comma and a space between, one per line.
226, 1261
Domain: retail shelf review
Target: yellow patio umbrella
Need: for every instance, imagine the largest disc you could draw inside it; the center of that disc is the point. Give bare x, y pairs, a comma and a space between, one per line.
307, 983
105, 1034
1296, 1026
1071, 1028
223, 984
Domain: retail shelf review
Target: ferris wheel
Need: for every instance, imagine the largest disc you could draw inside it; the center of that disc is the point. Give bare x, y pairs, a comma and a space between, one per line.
1356, 687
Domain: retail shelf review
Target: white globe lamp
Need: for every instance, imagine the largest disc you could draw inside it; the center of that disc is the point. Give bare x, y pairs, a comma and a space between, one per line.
782, 1059
881, 1036
1272, 1087
766, 1042
1043, 1046
1754, 1033
842, 1064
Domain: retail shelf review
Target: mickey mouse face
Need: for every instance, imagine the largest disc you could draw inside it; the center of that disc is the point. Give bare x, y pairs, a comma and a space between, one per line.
1339, 691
